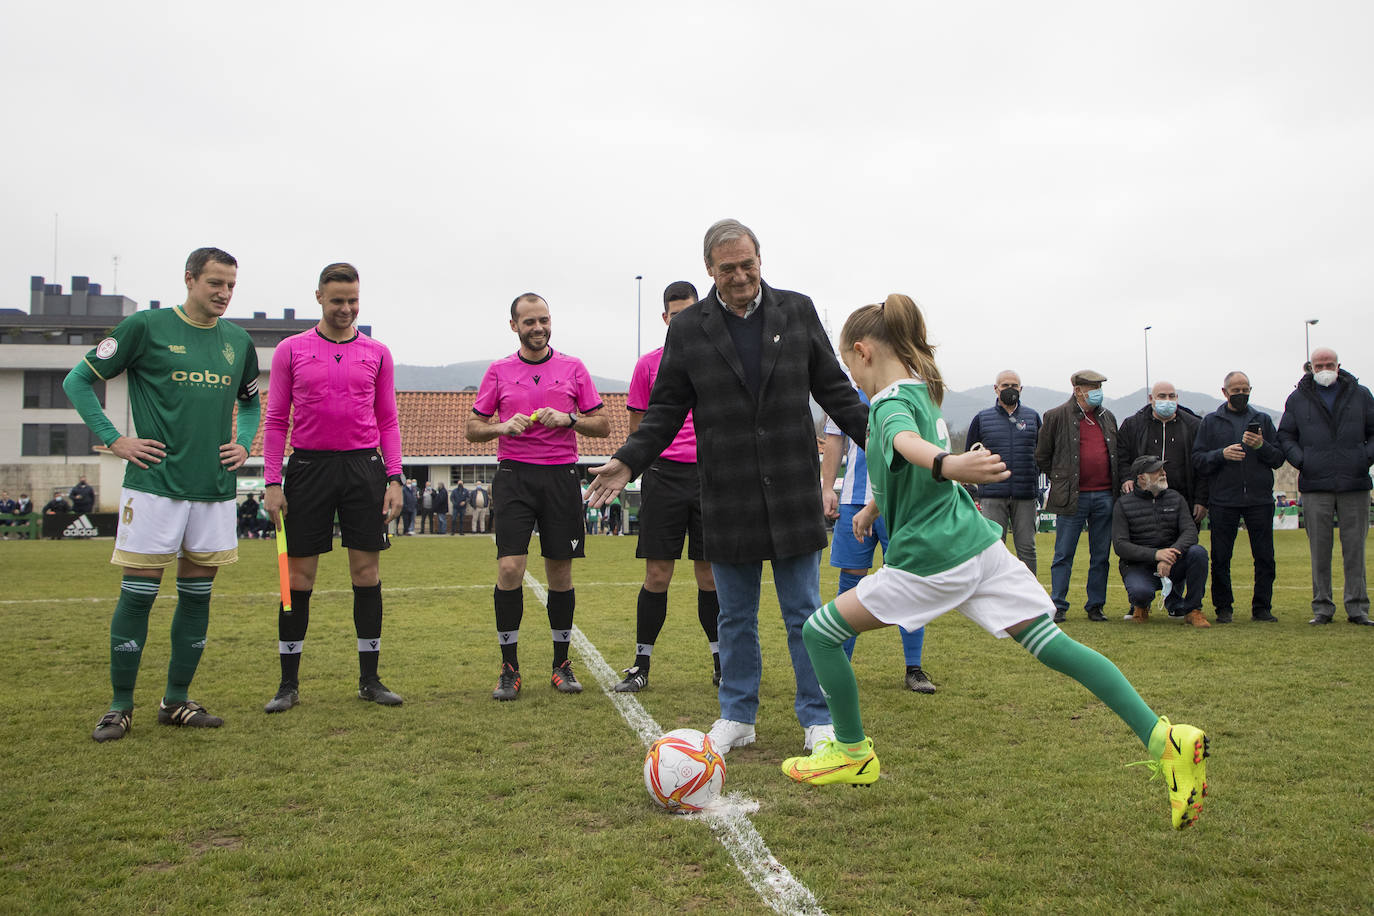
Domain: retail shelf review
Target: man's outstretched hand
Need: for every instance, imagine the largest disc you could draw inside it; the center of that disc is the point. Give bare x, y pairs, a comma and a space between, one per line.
610, 479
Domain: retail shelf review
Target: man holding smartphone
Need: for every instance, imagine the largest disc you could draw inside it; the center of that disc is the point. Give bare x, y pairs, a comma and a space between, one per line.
1237, 451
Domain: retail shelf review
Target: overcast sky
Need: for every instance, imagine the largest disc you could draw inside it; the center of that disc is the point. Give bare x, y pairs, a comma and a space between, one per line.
1046, 179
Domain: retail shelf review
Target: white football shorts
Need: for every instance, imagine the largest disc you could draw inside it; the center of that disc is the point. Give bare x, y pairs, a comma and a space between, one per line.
154, 530
994, 590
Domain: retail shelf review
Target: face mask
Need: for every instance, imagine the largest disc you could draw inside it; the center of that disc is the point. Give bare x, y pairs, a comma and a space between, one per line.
1165, 408
1238, 401
1009, 396
1094, 397
1326, 378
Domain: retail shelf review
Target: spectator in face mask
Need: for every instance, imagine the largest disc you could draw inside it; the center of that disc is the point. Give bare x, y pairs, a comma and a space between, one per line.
1154, 535
1010, 429
1077, 449
1165, 429
1327, 433
1237, 451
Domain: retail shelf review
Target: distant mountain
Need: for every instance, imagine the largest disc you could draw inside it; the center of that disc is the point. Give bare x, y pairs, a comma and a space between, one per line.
460, 376
960, 407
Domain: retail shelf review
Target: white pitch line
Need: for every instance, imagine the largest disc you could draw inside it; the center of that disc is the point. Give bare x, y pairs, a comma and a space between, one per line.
727, 819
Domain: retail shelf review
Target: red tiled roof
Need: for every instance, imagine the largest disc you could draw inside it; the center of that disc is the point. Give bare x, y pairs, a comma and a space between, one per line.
433, 422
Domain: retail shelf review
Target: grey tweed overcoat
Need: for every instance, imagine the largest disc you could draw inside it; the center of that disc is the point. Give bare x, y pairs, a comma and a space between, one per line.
757, 457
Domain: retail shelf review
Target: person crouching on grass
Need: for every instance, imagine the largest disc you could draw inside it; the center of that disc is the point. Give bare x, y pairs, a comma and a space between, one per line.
945, 555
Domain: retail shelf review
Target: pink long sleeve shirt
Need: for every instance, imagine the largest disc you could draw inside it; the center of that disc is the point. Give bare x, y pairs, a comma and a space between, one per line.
343, 396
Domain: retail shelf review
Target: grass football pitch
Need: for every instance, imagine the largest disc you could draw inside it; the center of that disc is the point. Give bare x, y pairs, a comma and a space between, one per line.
1005, 792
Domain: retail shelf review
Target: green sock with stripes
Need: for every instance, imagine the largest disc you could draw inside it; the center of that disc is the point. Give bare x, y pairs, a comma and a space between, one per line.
824, 634
128, 633
189, 626
1056, 649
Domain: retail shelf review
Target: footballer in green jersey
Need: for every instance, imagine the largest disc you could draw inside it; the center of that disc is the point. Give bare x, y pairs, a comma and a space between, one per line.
187, 370
944, 555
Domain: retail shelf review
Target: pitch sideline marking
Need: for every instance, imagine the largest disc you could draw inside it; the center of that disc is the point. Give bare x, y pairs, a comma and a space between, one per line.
769, 878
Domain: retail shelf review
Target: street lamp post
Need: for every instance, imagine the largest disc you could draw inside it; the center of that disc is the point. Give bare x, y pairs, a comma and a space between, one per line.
639, 314
1307, 338
1147, 359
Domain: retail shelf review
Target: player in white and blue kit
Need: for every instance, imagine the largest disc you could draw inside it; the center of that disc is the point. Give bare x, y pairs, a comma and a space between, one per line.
853, 556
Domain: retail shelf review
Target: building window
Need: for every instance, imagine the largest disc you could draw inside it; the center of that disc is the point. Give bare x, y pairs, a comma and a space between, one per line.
73, 440
43, 389
471, 474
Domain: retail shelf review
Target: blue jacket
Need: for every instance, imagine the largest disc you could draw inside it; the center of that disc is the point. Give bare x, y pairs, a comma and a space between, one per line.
1237, 484
1012, 437
1332, 449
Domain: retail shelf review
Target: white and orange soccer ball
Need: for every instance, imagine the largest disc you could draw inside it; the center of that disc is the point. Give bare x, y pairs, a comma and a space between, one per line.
683, 772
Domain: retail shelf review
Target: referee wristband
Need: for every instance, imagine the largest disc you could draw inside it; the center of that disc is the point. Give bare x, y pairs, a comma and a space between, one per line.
396, 478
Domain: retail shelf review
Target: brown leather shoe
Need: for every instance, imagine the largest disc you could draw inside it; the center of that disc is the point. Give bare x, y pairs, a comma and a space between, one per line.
1140, 614
1196, 619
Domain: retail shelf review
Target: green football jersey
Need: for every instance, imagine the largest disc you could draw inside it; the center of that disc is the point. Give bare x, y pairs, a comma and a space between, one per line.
931, 526
183, 380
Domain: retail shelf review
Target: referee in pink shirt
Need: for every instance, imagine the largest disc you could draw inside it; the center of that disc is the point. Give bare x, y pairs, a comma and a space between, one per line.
535, 402
341, 384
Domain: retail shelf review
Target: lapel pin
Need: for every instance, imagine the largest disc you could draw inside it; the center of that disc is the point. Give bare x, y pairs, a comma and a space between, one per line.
777, 337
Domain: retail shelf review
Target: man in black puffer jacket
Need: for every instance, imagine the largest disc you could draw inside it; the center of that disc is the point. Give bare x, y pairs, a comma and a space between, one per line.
1327, 433
1166, 429
1154, 535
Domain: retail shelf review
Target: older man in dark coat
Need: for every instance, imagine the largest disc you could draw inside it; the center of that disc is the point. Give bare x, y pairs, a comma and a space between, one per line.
744, 360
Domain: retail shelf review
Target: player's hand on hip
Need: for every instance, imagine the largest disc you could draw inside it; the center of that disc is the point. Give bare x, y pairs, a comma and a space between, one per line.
232, 456
140, 451
274, 501
979, 466
610, 479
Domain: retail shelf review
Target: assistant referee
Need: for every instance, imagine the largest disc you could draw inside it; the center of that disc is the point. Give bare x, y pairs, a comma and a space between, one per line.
341, 384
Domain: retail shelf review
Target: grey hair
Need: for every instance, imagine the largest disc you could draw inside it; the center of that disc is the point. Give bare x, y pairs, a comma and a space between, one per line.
727, 230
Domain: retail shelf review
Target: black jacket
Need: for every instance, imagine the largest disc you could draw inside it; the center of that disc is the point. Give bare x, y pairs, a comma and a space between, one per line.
756, 455
1332, 449
1143, 523
1237, 484
1142, 433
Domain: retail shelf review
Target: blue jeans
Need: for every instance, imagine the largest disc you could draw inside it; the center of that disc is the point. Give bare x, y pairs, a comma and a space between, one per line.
1188, 578
797, 581
1094, 512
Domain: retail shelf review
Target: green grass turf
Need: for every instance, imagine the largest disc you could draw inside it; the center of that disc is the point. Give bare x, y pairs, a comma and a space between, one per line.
1005, 792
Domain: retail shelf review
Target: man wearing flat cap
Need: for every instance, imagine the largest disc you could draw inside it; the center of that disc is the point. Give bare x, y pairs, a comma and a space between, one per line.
1077, 449
1154, 535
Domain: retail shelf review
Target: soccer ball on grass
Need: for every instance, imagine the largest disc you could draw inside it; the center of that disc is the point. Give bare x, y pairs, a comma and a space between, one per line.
683, 772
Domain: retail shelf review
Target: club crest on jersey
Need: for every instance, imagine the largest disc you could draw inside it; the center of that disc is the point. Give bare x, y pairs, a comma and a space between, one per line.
106, 348
228, 352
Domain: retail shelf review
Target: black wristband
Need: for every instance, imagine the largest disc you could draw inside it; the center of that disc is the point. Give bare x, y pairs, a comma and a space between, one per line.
396, 478
936, 465
266, 485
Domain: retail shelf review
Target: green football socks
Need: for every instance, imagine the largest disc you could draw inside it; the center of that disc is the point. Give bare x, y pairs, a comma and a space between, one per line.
1057, 650
824, 634
128, 633
189, 626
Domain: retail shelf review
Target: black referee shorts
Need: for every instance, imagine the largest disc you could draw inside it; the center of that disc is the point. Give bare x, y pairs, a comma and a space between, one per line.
548, 495
320, 485
670, 511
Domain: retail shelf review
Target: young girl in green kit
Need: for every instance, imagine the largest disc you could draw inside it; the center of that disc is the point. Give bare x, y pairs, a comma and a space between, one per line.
942, 554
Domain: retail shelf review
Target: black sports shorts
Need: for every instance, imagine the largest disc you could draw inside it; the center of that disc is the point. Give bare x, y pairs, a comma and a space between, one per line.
320, 485
549, 495
670, 511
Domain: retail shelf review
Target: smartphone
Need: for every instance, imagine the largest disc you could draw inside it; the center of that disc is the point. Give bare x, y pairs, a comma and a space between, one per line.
1254, 428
